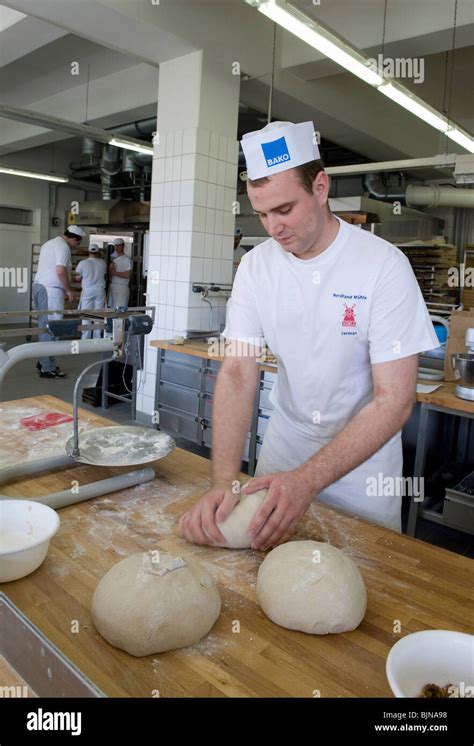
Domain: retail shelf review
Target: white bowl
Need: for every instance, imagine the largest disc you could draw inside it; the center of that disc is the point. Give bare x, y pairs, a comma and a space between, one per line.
26, 528
434, 656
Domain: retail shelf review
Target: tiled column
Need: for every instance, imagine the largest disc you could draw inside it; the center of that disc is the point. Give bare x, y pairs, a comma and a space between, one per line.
193, 193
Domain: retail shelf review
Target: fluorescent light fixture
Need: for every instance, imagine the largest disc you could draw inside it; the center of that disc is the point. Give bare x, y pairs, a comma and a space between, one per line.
336, 49
33, 175
321, 39
461, 138
148, 149
415, 106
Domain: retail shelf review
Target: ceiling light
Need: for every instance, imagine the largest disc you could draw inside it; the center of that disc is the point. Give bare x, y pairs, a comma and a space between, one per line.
33, 175
321, 39
148, 149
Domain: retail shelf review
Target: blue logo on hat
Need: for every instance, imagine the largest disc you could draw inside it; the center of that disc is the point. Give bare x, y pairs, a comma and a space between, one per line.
276, 152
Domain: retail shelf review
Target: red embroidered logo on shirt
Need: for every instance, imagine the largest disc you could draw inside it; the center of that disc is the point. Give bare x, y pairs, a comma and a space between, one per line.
349, 318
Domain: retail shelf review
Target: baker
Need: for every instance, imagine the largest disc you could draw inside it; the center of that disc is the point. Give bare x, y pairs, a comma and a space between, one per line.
120, 271
343, 313
91, 272
51, 285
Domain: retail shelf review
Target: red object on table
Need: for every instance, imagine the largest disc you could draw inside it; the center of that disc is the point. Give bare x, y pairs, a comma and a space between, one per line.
42, 421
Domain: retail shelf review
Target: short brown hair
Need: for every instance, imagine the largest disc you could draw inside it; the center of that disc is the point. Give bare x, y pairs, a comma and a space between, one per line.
306, 173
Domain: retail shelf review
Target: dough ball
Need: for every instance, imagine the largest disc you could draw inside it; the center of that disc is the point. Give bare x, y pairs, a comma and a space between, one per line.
234, 528
312, 587
152, 601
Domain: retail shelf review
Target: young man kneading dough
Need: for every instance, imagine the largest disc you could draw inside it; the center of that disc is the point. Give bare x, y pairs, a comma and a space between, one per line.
343, 313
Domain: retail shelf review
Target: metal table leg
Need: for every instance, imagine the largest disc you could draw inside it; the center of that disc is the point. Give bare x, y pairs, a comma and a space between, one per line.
419, 468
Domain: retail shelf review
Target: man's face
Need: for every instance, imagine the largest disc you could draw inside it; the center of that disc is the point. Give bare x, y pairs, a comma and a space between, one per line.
73, 243
119, 249
289, 214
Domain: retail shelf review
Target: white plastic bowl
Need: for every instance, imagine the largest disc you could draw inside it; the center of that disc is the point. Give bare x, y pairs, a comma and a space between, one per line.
26, 528
434, 656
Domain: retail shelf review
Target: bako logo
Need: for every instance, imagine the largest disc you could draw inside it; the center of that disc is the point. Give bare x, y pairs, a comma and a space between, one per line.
276, 152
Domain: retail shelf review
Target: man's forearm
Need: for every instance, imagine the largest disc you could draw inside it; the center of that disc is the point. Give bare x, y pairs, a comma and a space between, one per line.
361, 437
231, 416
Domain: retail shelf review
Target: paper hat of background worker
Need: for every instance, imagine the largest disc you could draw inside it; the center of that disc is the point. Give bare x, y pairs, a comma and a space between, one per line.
278, 147
94, 248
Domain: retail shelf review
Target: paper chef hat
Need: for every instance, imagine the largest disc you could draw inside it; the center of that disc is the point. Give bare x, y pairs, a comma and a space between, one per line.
278, 147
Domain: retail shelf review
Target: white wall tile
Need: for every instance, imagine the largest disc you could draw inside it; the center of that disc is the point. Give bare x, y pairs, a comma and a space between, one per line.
149, 386
211, 195
188, 167
175, 196
172, 268
157, 195
177, 167
169, 317
184, 243
232, 151
154, 243
178, 142
189, 140
219, 222
168, 169
226, 271
186, 192
214, 145
181, 294
167, 193
210, 221
202, 145
164, 267
166, 218
227, 247
229, 224
169, 143
183, 268
197, 269
180, 319
220, 193
174, 220
212, 176
207, 268
194, 318
158, 171
202, 167
222, 148
173, 243
221, 167
198, 244
148, 404
156, 218
200, 193
185, 218
208, 247
230, 175
170, 293
166, 243
199, 219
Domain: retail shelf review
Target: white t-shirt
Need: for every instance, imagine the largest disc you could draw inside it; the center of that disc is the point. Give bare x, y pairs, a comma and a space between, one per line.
122, 264
53, 252
327, 319
92, 272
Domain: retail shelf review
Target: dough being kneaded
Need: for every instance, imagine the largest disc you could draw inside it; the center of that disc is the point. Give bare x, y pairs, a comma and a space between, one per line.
152, 601
234, 528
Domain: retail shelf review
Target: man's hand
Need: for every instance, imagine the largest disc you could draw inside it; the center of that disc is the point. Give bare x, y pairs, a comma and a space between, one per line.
112, 270
289, 495
70, 295
199, 524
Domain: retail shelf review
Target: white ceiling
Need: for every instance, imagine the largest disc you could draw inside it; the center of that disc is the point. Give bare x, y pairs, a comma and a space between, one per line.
120, 43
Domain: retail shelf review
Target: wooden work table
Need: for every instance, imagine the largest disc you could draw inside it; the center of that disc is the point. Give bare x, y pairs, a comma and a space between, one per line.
420, 585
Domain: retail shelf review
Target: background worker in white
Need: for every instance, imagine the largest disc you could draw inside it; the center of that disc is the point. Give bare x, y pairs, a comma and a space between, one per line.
343, 313
92, 272
51, 285
120, 271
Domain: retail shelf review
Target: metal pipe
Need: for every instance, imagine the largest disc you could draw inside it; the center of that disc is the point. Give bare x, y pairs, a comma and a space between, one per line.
95, 489
436, 196
44, 349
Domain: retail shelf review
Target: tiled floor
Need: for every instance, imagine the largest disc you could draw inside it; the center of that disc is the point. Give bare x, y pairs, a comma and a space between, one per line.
23, 381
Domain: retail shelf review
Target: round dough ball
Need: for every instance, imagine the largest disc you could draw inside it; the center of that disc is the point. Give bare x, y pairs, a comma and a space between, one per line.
152, 601
234, 528
312, 587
